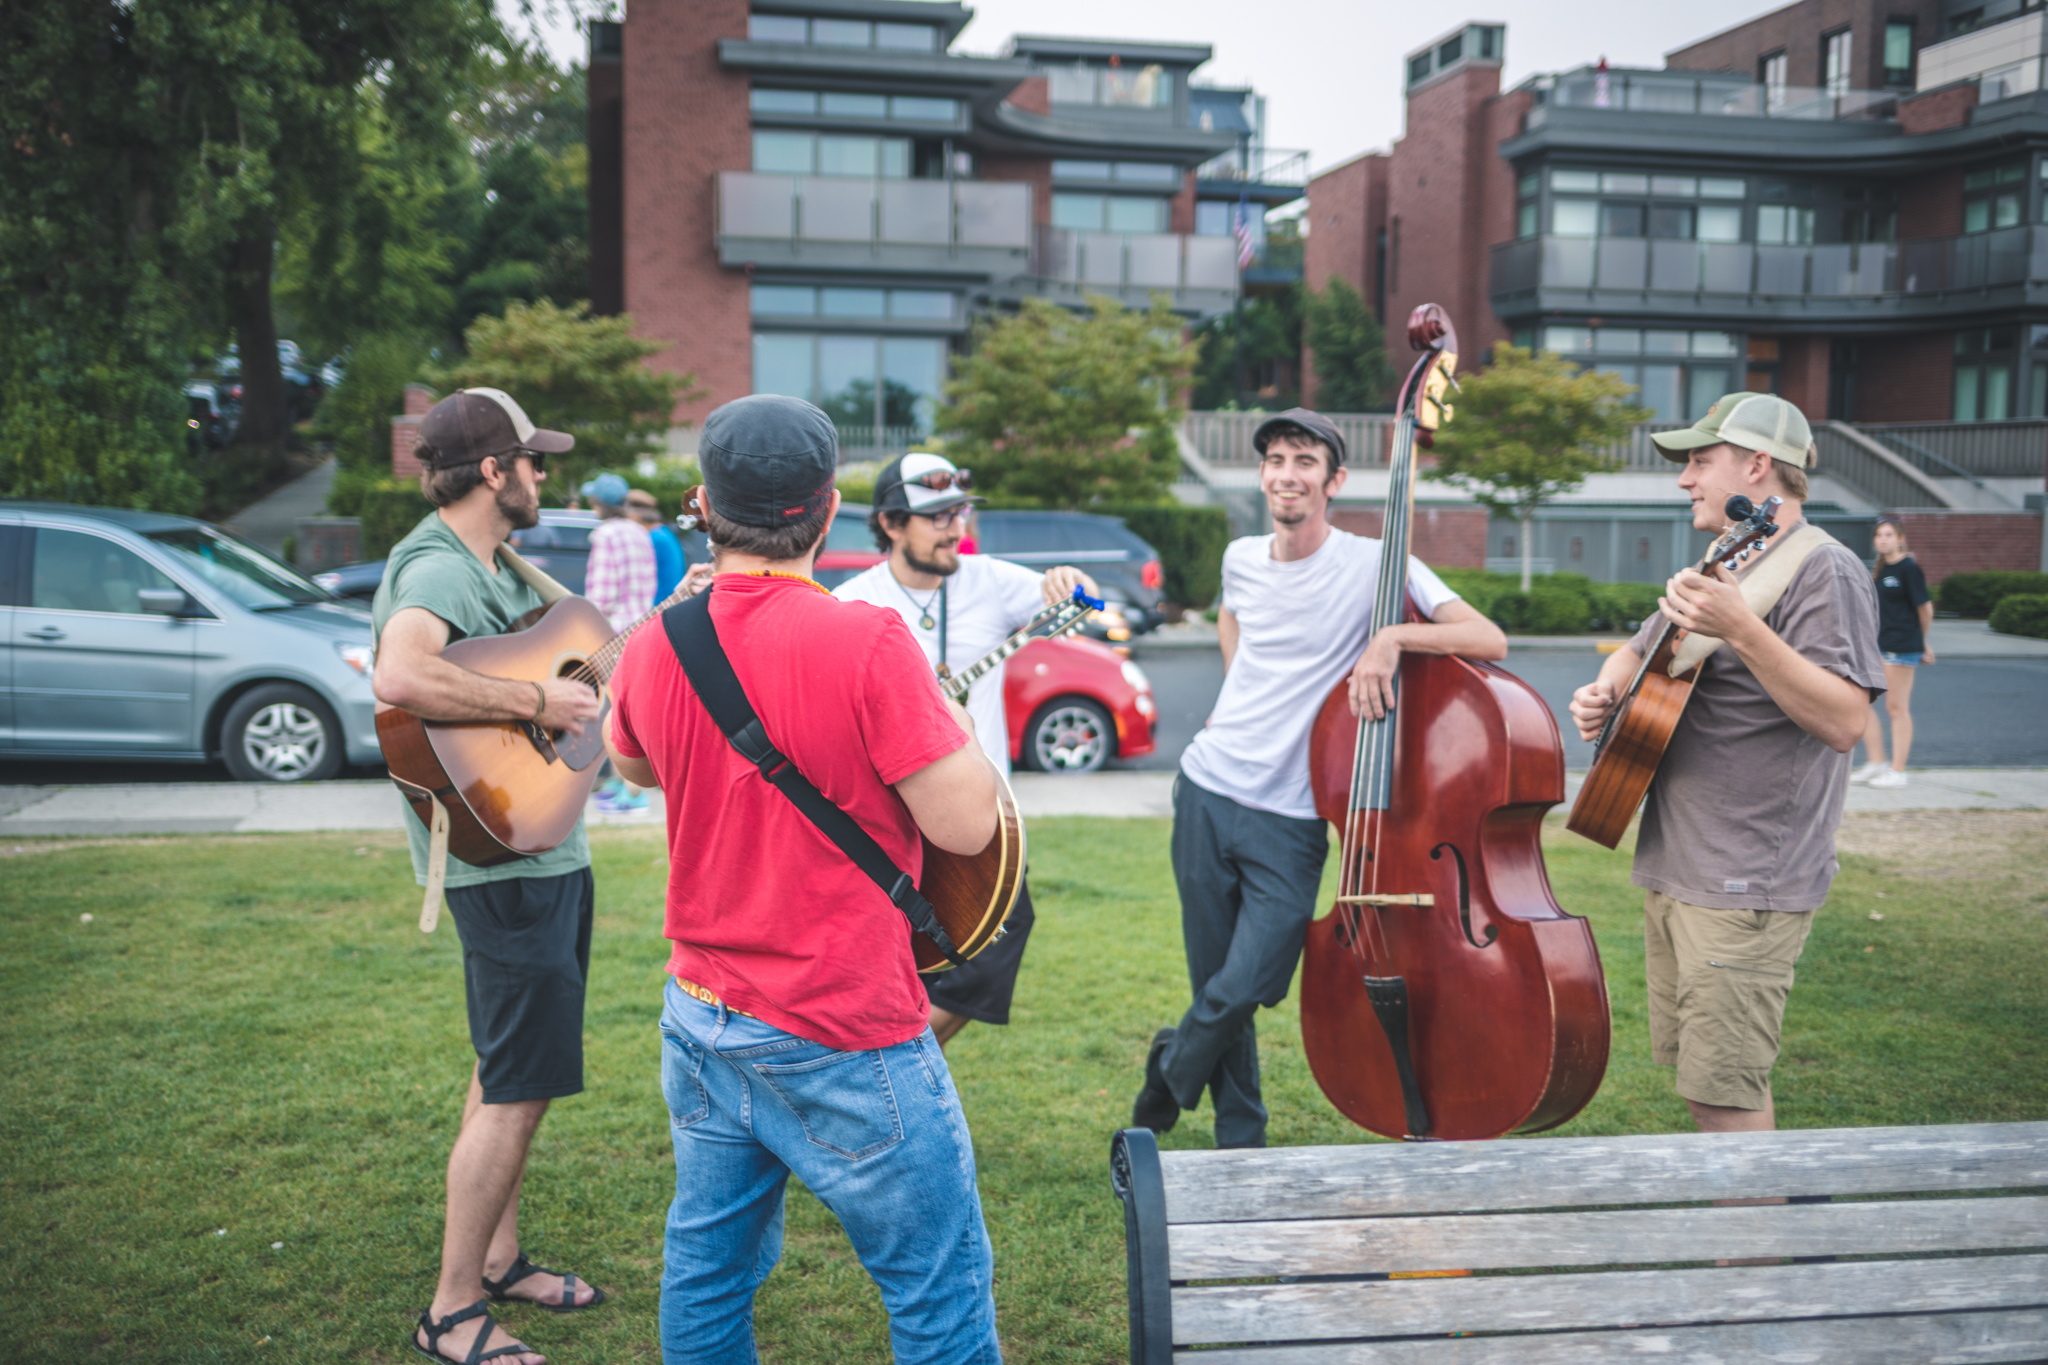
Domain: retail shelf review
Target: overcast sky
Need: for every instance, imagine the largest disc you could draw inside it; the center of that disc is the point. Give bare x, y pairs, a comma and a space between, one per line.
1330, 69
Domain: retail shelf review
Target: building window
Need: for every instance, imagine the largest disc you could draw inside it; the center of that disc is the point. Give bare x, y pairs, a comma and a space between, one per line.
1985, 361
1677, 374
1108, 213
1784, 225
778, 28
1898, 52
807, 301
1834, 63
791, 28
780, 153
846, 104
862, 382
1994, 197
1771, 76
1123, 172
1418, 68
1117, 87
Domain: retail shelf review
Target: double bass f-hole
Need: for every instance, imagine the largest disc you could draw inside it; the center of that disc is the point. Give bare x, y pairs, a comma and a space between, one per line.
1465, 897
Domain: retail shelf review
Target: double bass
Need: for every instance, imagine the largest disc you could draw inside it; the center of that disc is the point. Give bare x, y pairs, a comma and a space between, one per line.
1445, 995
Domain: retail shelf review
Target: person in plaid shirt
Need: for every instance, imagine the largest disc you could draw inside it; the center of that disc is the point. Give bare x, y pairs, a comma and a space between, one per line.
620, 579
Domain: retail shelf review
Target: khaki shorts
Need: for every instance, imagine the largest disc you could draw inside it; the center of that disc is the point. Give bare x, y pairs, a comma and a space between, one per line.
1718, 982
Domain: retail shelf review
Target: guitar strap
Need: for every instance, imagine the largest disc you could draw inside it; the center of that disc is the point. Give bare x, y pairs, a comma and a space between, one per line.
694, 638
1762, 586
550, 591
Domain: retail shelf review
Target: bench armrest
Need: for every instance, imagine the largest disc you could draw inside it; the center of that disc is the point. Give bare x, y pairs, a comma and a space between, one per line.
1134, 1175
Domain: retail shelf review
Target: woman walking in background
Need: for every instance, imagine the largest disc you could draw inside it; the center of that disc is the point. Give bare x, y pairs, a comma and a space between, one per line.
1905, 611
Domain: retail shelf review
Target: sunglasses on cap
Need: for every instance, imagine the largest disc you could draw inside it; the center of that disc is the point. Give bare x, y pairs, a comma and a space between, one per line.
939, 480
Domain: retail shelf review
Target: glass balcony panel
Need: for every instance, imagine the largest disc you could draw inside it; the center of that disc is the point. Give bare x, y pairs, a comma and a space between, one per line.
1967, 259
2006, 255
1154, 261
1623, 263
1922, 266
1058, 254
756, 205
1781, 270
1724, 268
1102, 258
991, 213
1568, 262
2038, 268
1211, 263
1675, 266
916, 211
838, 209
1515, 266
1833, 272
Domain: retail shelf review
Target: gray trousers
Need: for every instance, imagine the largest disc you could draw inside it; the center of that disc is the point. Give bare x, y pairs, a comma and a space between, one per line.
1248, 881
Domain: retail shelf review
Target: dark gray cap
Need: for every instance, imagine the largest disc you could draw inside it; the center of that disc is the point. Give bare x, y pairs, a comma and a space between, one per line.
768, 460
1314, 423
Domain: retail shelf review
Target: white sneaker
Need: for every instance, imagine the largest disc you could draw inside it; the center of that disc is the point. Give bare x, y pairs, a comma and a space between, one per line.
1889, 778
1868, 771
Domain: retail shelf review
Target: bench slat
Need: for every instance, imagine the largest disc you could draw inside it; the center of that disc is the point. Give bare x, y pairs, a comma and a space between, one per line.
1943, 1339
1527, 1303
1360, 1246
1378, 1179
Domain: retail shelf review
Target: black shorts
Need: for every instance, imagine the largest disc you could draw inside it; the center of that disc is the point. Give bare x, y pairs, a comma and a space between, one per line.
981, 989
525, 957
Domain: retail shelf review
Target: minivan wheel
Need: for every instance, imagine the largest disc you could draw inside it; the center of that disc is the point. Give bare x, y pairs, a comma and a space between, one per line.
1069, 735
281, 732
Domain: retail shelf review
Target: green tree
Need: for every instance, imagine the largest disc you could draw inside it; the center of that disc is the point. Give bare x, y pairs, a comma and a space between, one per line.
1271, 325
1056, 408
1352, 374
1529, 427
575, 373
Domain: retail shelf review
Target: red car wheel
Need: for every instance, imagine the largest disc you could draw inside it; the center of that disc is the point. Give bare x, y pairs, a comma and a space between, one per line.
1069, 735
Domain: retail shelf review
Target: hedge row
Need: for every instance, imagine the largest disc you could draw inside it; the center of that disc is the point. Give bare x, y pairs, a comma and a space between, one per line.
2022, 614
1556, 604
1975, 595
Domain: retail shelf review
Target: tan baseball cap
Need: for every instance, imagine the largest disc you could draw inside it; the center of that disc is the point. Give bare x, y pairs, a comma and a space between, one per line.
1753, 421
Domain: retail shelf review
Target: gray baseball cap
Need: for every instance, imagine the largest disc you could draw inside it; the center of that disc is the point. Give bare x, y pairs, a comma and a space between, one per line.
1751, 421
768, 460
1314, 423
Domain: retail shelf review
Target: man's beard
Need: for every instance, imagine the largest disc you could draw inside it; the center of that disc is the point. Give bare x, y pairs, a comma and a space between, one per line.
931, 566
1288, 516
519, 505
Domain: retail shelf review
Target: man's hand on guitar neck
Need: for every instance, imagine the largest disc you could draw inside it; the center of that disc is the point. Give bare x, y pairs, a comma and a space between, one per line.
412, 674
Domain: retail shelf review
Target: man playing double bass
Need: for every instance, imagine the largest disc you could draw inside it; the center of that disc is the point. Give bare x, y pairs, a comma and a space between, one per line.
1248, 846
1737, 845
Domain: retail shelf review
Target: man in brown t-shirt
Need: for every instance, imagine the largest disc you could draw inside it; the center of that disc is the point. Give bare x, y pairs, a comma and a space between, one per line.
1737, 845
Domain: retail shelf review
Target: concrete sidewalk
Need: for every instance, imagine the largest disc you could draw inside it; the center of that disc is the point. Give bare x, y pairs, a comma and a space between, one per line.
272, 808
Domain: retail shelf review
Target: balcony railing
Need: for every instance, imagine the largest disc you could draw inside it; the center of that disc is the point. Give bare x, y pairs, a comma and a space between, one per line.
1135, 261
1259, 165
847, 210
1982, 260
1985, 450
1658, 93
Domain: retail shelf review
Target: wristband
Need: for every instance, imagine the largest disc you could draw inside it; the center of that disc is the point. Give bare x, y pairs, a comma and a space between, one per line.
540, 705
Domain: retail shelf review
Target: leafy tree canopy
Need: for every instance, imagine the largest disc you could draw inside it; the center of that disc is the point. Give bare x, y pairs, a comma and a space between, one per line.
1056, 408
1352, 374
575, 373
1271, 327
1530, 427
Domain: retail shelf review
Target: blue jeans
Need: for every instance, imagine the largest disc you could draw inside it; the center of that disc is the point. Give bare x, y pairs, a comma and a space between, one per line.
879, 1138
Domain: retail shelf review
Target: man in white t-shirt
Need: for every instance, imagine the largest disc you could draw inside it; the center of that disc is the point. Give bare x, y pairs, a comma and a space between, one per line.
959, 607
1248, 847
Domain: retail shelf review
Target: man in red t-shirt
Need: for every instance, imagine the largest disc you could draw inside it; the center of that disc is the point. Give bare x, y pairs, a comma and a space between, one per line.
795, 1030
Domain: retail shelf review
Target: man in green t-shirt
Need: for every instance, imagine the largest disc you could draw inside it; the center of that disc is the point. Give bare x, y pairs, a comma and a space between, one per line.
525, 925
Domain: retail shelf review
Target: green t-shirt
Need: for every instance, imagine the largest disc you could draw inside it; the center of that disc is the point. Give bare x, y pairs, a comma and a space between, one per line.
432, 568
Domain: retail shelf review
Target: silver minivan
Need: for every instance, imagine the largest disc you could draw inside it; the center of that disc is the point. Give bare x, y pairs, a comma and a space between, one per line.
135, 635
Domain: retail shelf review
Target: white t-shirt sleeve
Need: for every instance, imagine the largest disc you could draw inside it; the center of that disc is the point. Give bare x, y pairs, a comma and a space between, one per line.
1429, 591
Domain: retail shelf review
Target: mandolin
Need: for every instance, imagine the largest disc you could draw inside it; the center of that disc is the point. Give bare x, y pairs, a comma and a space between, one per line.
1639, 728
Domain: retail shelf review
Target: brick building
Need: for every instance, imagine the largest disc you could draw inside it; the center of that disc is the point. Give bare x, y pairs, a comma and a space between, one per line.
814, 197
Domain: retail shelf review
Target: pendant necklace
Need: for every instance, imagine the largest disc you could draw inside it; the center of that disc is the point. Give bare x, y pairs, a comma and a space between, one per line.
925, 620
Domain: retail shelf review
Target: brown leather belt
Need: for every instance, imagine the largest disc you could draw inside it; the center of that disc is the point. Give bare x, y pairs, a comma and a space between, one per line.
697, 992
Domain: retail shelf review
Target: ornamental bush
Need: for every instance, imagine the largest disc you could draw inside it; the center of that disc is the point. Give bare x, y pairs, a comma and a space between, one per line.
1974, 595
1190, 541
2022, 614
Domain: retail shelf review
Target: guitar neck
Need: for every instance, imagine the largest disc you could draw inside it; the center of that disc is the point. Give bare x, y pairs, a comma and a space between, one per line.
1050, 624
606, 656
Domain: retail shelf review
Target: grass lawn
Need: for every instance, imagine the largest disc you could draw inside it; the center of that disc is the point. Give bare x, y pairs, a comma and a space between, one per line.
250, 1043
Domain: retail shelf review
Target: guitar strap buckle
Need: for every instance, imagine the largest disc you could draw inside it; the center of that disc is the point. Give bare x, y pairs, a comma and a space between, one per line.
754, 746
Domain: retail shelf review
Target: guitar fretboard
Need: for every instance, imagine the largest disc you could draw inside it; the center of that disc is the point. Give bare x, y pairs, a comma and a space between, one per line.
1063, 619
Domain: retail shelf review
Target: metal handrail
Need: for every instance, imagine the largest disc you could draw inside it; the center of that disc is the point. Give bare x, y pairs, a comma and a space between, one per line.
1924, 457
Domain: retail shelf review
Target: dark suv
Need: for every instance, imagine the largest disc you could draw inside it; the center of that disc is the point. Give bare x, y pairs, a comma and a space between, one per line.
1102, 547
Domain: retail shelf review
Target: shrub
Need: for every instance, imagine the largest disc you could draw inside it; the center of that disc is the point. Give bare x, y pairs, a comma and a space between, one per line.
1190, 541
1974, 595
2022, 614
1620, 608
389, 509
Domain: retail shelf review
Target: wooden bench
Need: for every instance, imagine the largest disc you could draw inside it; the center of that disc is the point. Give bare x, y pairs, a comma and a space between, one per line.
1587, 1250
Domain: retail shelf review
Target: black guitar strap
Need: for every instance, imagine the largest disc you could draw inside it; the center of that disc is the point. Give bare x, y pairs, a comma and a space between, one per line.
694, 638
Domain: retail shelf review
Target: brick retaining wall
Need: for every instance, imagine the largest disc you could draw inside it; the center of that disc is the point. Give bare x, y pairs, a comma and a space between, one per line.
1445, 537
1945, 543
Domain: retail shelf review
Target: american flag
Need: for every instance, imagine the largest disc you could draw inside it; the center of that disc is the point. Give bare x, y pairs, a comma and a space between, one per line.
1247, 245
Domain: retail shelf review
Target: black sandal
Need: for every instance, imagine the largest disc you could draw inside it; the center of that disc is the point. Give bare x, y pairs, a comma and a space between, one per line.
477, 1355
521, 1268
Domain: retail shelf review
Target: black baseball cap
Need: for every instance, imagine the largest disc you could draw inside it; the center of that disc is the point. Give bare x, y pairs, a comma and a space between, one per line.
471, 425
1314, 423
922, 482
768, 460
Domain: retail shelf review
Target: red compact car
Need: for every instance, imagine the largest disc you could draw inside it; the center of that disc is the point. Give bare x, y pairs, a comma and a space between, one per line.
1072, 705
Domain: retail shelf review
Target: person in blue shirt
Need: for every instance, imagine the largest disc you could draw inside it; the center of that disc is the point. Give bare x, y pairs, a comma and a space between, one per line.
669, 563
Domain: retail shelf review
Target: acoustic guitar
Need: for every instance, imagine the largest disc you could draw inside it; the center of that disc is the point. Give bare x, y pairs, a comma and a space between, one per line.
1639, 728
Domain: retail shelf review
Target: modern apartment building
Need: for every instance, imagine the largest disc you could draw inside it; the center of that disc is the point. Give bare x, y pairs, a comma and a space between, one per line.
815, 197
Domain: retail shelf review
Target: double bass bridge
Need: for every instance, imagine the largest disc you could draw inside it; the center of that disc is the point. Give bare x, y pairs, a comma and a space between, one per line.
1423, 898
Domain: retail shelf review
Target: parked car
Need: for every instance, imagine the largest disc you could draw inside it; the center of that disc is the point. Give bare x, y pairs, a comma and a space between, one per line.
134, 635
357, 582
1073, 705
559, 546
1116, 557
209, 419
